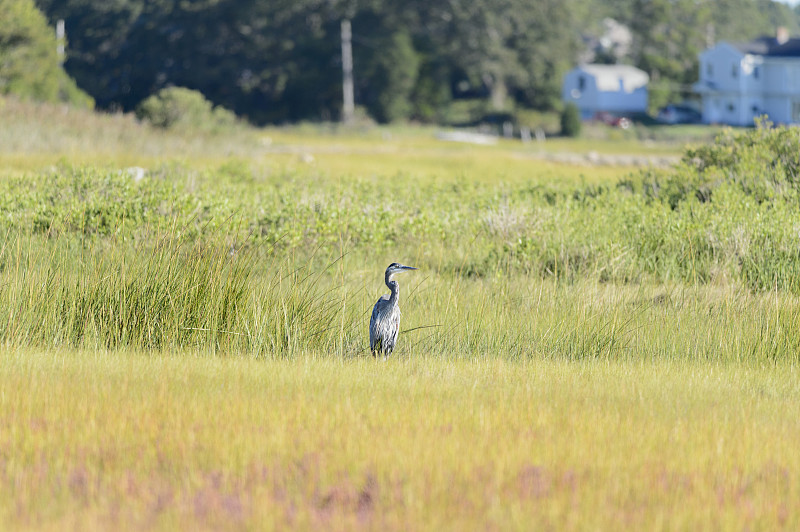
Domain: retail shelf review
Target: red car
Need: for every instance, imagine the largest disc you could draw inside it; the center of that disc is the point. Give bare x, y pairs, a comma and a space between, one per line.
621, 122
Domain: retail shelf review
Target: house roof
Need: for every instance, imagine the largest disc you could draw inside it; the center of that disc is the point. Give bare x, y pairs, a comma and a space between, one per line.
614, 77
769, 46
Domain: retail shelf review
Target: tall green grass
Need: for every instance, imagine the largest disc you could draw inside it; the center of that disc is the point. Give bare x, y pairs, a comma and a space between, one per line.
166, 295
212, 296
658, 264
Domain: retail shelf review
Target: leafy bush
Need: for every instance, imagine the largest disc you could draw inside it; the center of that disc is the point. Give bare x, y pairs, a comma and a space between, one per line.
763, 163
182, 108
571, 121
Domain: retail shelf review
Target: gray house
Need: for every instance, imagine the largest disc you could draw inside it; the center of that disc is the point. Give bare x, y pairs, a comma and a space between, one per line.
741, 81
620, 89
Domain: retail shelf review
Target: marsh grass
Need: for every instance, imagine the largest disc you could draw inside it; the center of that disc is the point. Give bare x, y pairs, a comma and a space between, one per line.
580, 349
220, 294
168, 294
131, 440
36, 136
583, 321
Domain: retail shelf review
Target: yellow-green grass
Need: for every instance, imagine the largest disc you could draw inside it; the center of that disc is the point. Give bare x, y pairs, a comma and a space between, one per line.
444, 162
37, 136
156, 441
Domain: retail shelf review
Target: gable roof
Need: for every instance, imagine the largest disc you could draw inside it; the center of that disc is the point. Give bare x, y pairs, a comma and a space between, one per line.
769, 46
614, 77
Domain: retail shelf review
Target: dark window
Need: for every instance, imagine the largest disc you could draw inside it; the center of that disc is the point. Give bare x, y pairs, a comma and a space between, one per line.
755, 72
581, 83
735, 71
709, 70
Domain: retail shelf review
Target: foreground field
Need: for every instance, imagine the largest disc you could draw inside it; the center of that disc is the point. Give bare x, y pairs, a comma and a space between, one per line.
183, 344
157, 441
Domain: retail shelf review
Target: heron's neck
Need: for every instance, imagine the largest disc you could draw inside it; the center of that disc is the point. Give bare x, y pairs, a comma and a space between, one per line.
394, 288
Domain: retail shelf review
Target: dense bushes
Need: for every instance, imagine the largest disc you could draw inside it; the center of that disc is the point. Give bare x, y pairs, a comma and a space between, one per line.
727, 214
764, 164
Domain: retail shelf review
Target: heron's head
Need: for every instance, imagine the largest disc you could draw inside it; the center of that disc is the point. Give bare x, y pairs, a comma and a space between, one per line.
395, 268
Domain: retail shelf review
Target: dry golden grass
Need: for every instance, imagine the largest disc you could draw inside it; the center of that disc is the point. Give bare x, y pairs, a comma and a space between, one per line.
158, 441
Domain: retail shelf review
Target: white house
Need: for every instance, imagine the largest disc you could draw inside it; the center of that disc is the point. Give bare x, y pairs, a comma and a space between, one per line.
739, 82
620, 89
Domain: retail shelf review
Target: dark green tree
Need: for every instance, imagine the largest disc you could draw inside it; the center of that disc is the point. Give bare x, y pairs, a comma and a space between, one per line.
29, 64
571, 120
432, 93
668, 35
395, 77
279, 60
507, 49
269, 61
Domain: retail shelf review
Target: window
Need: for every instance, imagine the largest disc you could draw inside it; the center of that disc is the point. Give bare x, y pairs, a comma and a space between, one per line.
581, 83
796, 111
735, 71
709, 70
755, 72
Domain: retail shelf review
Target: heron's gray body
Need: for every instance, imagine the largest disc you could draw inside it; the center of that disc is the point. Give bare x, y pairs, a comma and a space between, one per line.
384, 326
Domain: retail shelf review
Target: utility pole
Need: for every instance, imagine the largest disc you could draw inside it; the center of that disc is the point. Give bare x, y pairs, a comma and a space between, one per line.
348, 105
60, 38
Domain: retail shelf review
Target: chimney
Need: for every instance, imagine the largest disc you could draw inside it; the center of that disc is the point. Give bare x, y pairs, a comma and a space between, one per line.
782, 35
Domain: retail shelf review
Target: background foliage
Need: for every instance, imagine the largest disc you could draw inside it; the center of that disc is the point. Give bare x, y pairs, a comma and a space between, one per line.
279, 61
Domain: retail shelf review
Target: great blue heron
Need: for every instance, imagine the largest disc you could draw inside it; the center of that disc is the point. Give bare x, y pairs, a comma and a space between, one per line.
385, 322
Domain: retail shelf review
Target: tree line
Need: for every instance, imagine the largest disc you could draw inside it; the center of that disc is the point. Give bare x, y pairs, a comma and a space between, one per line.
280, 60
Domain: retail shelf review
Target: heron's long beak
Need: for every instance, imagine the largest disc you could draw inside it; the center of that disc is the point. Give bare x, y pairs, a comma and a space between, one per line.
400, 269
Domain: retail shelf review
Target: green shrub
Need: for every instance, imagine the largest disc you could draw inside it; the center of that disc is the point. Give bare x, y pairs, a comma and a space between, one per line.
764, 163
182, 108
571, 121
